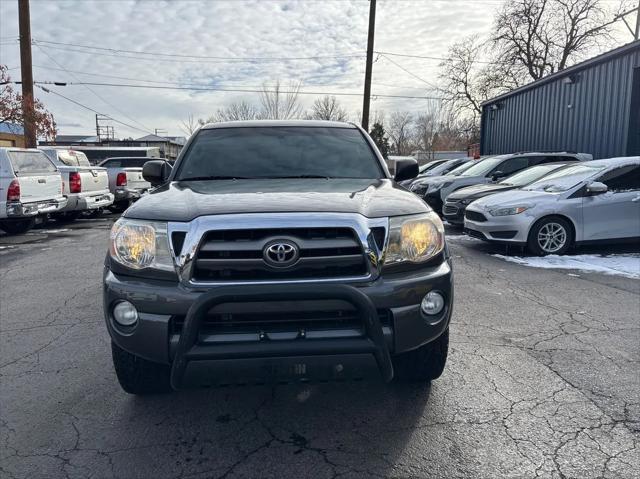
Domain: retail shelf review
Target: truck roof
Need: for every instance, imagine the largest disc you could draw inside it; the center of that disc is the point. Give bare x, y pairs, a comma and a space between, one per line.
274, 123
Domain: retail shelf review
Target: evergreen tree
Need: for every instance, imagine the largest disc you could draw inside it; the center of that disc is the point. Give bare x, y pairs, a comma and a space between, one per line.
382, 142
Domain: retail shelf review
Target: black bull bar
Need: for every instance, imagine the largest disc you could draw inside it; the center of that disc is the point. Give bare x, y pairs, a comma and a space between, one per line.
373, 342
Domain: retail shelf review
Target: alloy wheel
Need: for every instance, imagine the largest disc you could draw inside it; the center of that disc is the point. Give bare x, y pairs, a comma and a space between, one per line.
552, 237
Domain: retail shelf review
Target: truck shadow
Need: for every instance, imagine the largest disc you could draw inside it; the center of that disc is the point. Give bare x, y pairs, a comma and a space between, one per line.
274, 431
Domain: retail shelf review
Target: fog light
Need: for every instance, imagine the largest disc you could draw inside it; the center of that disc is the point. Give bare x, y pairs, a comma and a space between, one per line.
125, 314
432, 303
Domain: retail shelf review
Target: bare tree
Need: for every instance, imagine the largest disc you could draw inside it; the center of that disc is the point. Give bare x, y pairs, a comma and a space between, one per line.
190, 125
327, 108
236, 111
426, 126
399, 130
280, 103
540, 37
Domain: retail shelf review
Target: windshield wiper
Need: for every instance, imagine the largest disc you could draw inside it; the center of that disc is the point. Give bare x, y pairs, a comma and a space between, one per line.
325, 177
213, 177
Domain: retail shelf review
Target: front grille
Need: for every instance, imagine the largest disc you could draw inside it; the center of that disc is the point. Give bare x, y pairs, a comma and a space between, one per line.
237, 255
475, 216
450, 209
276, 317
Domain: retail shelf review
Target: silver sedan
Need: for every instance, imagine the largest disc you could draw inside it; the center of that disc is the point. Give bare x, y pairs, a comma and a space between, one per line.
581, 203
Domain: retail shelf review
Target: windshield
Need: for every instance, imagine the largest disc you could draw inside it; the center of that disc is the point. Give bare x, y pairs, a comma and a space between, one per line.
461, 169
445, 167
73, 158
565, 179
530, 175
279, 152
482, 167
430, 166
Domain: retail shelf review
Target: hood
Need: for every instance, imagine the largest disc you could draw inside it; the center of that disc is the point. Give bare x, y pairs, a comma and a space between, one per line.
430, 180
186, 200
515, 198
479, 191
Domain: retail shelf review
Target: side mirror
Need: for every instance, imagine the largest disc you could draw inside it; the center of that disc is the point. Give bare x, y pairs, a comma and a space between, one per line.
596, 188
156, 172
406, 169
497, 175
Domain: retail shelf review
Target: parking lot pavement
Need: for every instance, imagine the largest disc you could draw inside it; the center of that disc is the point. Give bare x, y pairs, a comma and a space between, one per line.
542, 380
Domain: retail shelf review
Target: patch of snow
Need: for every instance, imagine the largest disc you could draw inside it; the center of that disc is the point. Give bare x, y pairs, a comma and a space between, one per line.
463, 238
7, 247
627, 265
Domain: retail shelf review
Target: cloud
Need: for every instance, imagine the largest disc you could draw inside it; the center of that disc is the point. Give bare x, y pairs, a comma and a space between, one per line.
321, 31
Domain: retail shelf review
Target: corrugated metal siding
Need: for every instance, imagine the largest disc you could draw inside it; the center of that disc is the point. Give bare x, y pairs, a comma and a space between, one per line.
590, 116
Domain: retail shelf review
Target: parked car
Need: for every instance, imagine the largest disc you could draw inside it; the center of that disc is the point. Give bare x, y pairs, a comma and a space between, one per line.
442, 167
30, 189
429, 166
125, 180
456, 203
277, 251
492, 168
582, 203
86, 187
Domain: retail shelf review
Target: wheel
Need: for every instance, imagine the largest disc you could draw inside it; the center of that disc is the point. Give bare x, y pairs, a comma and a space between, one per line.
119, 207
551, 235
95, 213
139, 376
66, 217
16, 227
423, 364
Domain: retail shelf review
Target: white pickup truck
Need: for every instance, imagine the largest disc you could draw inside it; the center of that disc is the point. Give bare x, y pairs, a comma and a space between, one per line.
30, 188
125, 180
86, 187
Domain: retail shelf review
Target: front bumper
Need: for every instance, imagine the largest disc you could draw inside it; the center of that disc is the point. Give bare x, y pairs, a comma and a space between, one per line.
84, 202
160, 303
453, 212
512, 229
16, 209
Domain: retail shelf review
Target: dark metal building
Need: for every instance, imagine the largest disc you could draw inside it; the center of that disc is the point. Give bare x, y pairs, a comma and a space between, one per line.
592, 107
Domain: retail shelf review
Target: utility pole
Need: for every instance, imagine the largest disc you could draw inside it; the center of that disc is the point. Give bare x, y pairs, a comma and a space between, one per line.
638, 21
635, 32
367, 75
28, 116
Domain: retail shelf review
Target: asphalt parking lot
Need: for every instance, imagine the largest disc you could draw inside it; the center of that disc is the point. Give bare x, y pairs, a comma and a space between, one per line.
542, 381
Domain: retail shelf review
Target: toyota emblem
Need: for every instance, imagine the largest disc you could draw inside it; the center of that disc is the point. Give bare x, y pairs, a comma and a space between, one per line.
281, 253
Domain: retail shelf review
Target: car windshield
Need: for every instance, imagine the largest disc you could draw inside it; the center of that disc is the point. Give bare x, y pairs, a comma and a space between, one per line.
279, 152
482, 167
73, 158
430, 166
565, 179
530, 175
461, 169
444, 167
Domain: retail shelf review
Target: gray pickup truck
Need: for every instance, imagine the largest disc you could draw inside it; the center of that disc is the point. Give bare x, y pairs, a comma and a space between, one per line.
277, 251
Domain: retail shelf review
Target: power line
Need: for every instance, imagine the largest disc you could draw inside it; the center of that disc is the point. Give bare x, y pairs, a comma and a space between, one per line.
237, 90
47, 90
92, 91
119, 51
165, 82
431, 85
426, 57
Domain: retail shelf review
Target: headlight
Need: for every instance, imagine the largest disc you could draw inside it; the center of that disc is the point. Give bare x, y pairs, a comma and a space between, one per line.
439, 186
140, 244
466, 202
414, 238
418, 188
513, 210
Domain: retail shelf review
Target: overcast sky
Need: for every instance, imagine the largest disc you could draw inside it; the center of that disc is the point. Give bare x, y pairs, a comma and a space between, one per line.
326, 38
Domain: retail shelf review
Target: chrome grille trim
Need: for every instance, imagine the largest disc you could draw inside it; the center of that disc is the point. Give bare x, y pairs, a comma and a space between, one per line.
196, 230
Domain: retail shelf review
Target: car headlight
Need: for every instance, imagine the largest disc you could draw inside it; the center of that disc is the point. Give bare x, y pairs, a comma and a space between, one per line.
140, 244
513, 210
414, 238
418, 188
466, 202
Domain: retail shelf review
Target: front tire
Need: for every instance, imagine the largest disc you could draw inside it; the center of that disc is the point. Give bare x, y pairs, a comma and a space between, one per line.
551, 235
425, 363
16, 227
139, 376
